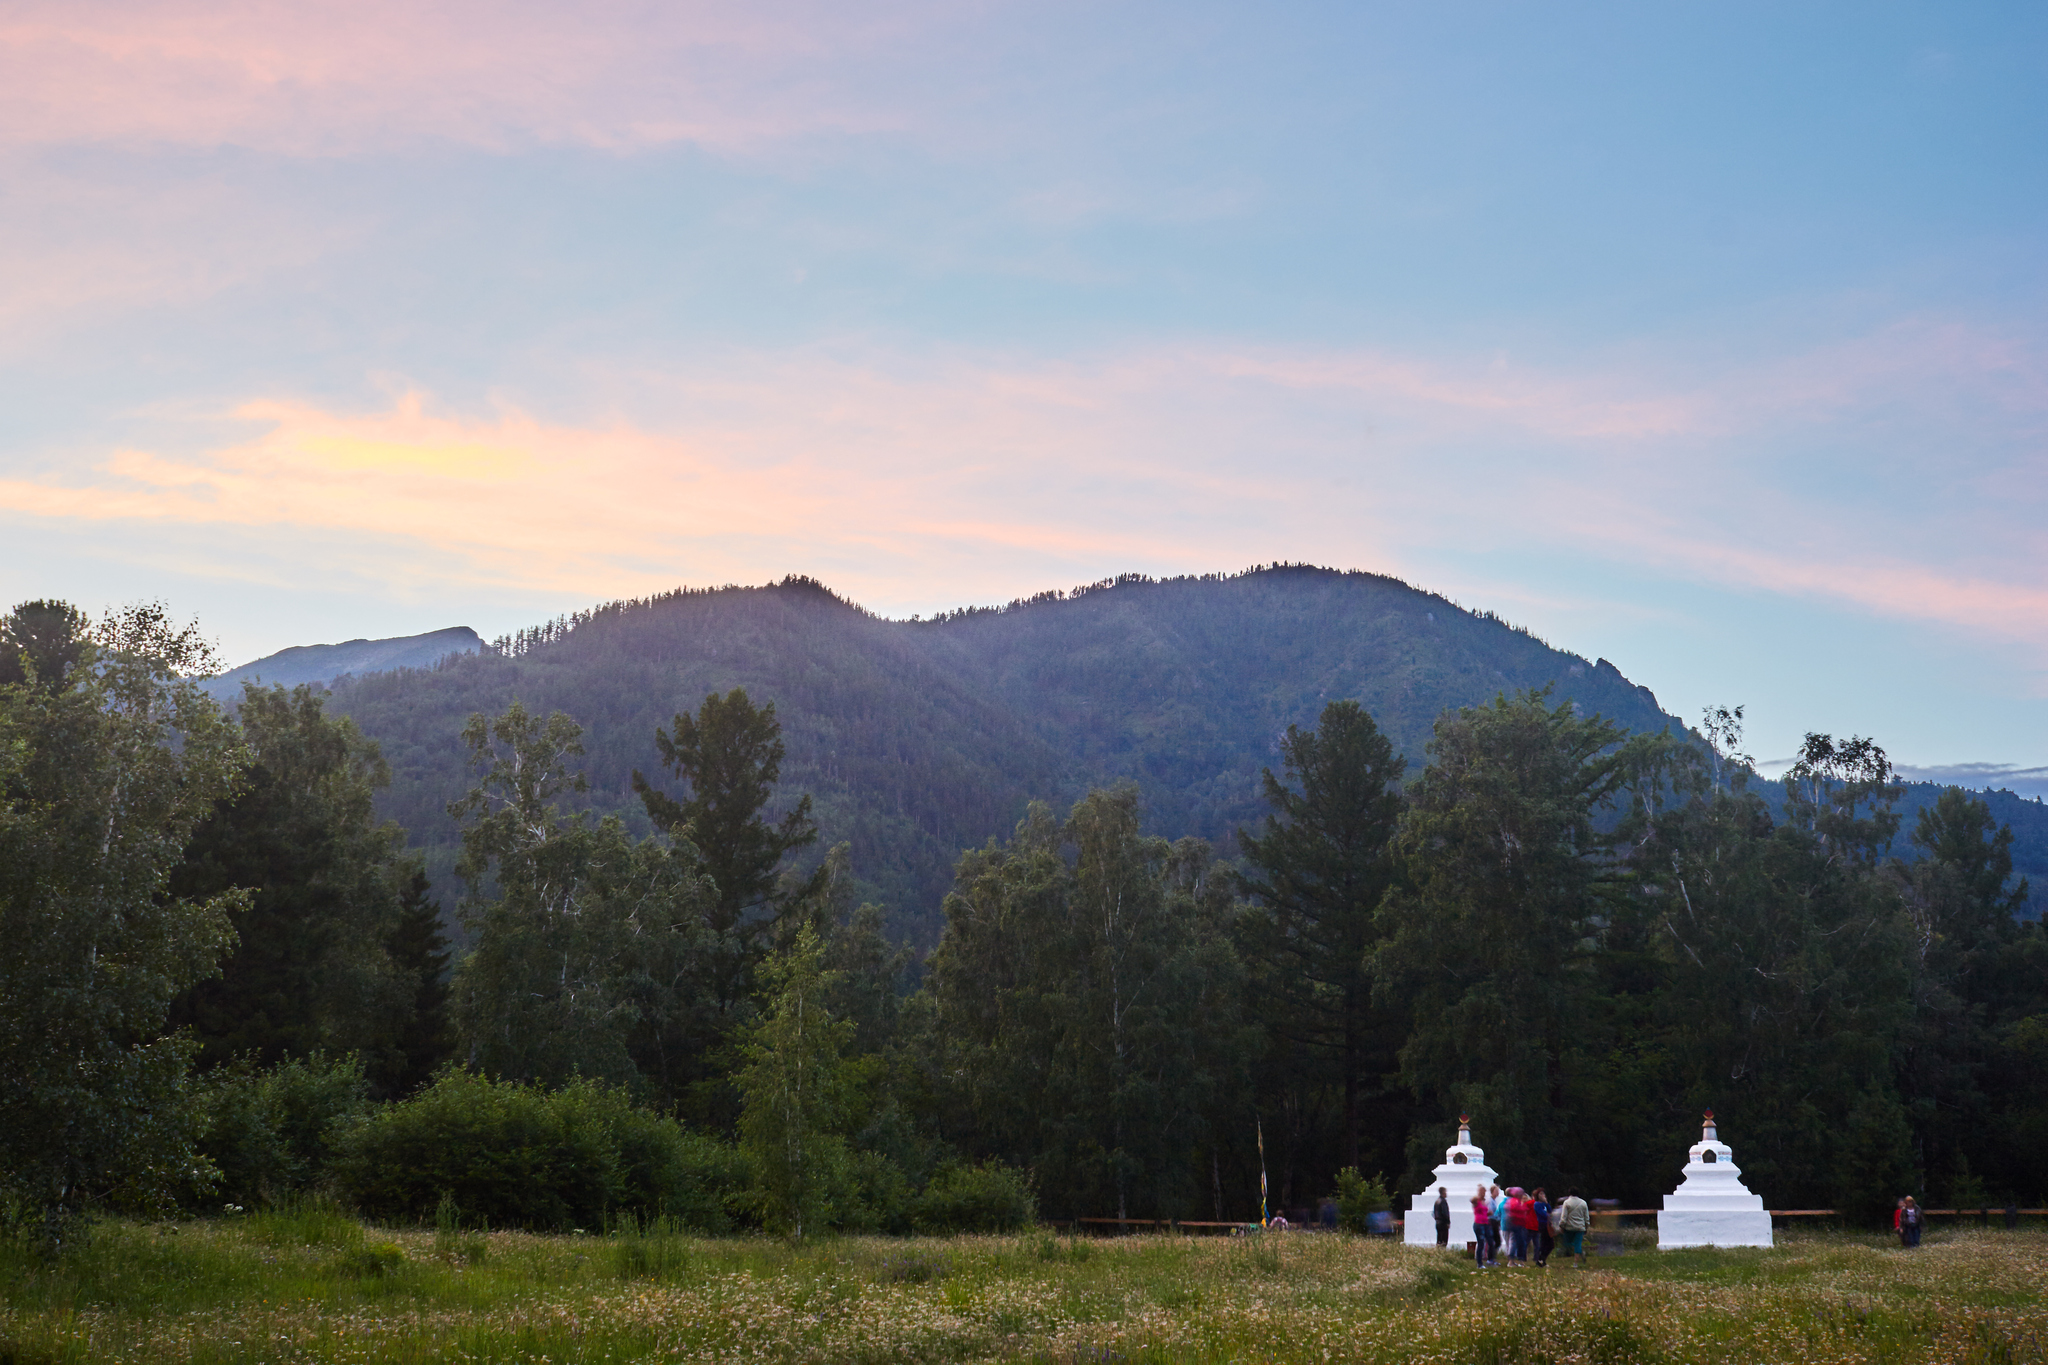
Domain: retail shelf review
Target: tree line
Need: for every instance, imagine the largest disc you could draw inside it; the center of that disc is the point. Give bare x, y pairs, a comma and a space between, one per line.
1579, 936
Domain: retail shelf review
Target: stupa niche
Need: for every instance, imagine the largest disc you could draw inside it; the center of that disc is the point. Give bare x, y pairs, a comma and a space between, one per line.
1712, 1207
1464, 1167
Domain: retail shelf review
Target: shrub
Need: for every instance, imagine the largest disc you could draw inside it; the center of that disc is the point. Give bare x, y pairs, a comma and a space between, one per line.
272, 1132
1358, 1197
514, 1155
691, 1179
986, 1198
873, 1195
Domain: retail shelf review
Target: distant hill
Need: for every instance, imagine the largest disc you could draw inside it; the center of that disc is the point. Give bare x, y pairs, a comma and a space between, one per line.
918, 739
324, 663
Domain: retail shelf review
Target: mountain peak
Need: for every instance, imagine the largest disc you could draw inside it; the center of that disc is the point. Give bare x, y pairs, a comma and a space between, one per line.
322, 664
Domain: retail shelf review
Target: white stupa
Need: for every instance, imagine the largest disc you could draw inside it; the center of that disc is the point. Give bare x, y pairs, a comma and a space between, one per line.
1712, 1207
1464, 1167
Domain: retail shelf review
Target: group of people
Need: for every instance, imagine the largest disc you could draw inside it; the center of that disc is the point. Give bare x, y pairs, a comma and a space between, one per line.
1906, 1222
1525, 1222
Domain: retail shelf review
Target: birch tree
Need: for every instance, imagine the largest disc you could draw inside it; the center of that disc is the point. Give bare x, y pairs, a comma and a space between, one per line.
105, 769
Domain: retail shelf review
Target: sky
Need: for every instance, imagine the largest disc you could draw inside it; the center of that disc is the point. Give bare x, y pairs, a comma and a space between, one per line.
1710, 339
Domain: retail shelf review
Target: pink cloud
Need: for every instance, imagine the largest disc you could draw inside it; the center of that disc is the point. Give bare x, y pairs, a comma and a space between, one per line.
1919, 357
93, 250
889, 484
328, 77
910, 480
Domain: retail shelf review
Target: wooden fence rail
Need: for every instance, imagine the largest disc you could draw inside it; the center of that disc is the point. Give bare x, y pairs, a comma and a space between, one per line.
1171, 1223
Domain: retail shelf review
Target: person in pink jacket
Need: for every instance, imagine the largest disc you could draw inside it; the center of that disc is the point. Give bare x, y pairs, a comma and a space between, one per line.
1482, 1228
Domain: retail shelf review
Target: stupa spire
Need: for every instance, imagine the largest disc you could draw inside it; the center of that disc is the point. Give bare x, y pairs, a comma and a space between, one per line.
1707, 1133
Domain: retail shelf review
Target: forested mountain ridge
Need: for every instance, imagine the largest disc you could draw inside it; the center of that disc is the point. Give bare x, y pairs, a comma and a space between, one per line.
918, 739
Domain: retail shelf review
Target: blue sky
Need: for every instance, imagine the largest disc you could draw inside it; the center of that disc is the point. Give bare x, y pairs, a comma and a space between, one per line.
1708, 339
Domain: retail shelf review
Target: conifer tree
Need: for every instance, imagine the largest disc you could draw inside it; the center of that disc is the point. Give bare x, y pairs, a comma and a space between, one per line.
419, 951
311, 970
1505, 872
1318, 874
729, 756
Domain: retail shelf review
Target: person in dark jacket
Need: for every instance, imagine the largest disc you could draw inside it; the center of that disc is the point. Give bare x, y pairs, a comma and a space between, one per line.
1443, 1215
1545, 1238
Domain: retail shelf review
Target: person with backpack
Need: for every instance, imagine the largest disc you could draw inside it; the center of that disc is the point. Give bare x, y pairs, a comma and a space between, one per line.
1573, 1218
1909, 1222
1545, 1239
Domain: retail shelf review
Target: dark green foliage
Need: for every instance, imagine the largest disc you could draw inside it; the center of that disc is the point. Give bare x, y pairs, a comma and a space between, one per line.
867, 978
990, 1197
1783, 981
1970, 976
1316, 879
419, 954
271, 1132
102, 780
311, 968
674, 1173
41, 642
797, 1084
586, 940
1086, 1013
729, 754
513, 1155
1491, 941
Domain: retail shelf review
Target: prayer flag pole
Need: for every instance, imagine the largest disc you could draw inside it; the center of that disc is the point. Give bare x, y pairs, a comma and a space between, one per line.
1263, 1220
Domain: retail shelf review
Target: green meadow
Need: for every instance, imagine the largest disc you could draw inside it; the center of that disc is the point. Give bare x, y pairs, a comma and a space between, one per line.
317, 1286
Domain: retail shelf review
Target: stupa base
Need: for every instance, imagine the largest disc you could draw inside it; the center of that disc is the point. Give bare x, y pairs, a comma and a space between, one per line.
1418, 1226
1677, 1230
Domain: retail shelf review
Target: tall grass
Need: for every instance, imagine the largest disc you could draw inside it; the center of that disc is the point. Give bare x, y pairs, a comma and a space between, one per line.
308, 1283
